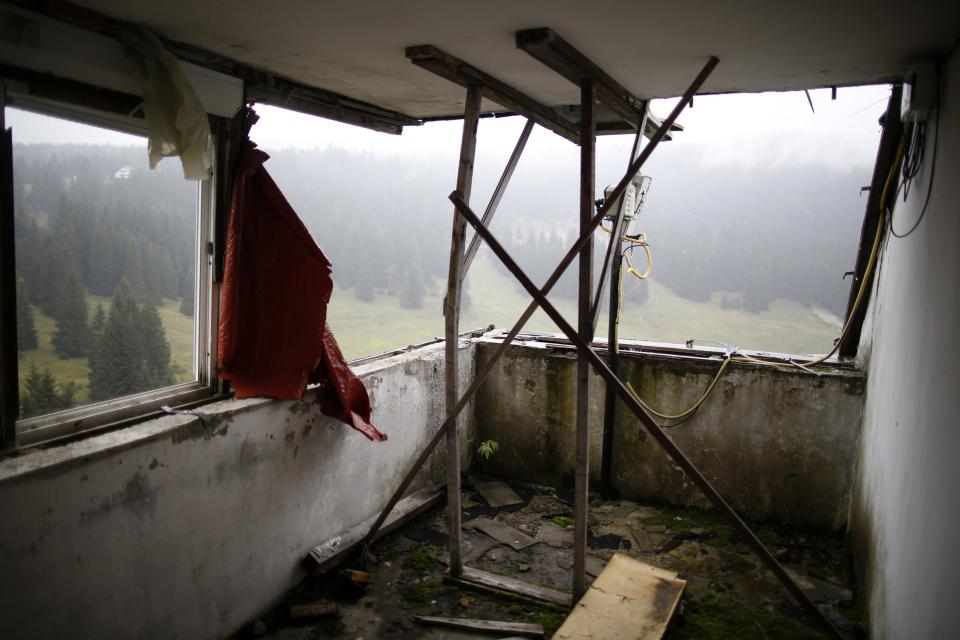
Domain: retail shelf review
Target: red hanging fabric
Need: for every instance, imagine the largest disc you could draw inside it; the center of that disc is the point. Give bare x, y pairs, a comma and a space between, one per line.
274, 336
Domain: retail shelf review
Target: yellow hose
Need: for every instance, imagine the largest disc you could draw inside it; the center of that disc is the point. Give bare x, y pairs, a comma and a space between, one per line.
696, 405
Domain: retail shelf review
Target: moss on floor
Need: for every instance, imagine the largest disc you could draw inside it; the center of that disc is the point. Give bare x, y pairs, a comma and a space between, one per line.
718, 617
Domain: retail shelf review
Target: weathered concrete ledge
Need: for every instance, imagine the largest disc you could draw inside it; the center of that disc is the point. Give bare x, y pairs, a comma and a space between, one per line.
168, 529
777, 444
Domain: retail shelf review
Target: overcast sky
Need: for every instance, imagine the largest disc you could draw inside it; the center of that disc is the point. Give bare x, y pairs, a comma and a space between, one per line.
752, 129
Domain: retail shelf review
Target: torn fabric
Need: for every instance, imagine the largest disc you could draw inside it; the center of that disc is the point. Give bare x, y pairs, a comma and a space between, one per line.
274, 337
177, 122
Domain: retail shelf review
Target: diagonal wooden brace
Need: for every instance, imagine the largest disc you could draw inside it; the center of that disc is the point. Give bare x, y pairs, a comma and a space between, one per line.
586, 352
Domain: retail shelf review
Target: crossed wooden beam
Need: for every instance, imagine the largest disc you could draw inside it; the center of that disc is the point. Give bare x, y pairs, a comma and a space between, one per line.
596, 86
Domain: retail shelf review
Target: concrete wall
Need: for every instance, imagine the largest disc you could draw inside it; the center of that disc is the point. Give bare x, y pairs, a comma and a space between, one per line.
905, 516
166, 530
776, 444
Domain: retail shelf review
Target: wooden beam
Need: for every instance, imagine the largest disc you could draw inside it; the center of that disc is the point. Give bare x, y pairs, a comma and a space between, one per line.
549, 48
886, 156
523, 629
325, 556
451, 312
613, 261
588, 141
456, 70
498, 194
494, 583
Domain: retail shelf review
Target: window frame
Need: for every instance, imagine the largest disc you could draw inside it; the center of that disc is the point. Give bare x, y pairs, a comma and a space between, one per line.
99, 415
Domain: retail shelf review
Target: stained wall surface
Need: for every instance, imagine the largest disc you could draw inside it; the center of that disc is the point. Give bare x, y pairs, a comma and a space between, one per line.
170, 530
776, 444
905, 517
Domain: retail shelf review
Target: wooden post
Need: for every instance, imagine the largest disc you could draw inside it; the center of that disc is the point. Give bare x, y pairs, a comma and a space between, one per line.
451, 312
613, 327
585, 328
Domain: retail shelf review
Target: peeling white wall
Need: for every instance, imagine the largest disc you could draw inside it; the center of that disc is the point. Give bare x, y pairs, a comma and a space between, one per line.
905, 517
166, 530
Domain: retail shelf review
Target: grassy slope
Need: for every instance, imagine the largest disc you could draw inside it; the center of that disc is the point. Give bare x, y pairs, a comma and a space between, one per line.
364, 328
179, 330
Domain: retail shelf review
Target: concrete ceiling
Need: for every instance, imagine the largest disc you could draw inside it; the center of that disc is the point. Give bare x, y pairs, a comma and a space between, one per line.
356, 47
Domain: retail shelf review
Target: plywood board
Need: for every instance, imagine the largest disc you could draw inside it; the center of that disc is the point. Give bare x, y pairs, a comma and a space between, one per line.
500, 532
524, 629
629, 600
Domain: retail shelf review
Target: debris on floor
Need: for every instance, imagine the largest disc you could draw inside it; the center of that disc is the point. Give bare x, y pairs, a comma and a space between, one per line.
498, 494
728, 593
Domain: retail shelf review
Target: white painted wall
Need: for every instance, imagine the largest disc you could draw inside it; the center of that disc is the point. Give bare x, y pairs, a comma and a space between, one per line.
165, 530
905, 514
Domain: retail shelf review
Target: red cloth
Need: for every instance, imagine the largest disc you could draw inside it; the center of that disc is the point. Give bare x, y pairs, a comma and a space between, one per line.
274, 335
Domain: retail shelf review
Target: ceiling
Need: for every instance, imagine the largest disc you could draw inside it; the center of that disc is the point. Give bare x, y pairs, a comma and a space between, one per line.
356, 47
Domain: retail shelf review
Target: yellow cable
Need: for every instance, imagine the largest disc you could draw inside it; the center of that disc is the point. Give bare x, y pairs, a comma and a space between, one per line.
696, 405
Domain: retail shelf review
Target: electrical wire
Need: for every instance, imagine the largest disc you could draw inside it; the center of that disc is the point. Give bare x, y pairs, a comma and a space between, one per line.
916, 168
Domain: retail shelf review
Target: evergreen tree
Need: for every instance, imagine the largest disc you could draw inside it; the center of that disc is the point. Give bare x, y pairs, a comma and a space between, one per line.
155, 348
187, 293
71, 337
116, 364
26, 332
133, 268
411, 293
131, 353
42, 396
96, 325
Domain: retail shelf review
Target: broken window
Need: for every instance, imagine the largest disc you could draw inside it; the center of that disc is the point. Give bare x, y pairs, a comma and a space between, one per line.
111, 313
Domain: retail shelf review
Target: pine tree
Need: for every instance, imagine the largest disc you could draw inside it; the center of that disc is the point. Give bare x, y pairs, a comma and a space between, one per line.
26, 332
156, 349
411, 293
71, 337
42, 396
131, 352
116, 364
97, 324
133, 269
187, 285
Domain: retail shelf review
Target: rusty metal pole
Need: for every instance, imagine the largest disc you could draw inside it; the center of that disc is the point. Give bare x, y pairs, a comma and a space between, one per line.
585, 352
581, 489
451, 312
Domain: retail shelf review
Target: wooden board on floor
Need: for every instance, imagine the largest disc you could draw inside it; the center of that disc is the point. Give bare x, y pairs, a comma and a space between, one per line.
510, 586
629, 600
524, 629
498, 494
324, 556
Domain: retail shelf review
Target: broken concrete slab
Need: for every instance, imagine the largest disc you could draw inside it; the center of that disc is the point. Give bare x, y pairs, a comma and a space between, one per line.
501, 533
555, 536
498, 494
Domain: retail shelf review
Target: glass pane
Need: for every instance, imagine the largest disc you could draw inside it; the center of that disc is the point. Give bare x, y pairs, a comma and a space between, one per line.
106, 253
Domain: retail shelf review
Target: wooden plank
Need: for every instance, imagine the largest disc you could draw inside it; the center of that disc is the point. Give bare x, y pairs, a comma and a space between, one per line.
502, 533
498, 194
313, 609
524, 629
629, 600
581, 479
484, 581
327, 555
451, 313
552, 50
455, 70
